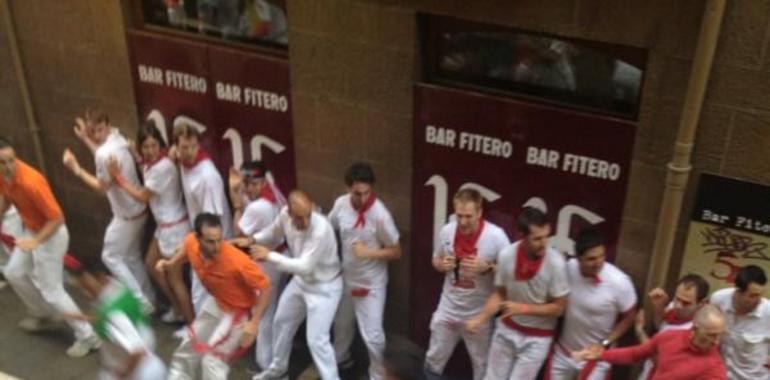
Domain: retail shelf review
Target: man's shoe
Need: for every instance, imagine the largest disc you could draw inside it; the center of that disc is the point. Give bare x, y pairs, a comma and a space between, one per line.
34, 324
82, 347
271, 375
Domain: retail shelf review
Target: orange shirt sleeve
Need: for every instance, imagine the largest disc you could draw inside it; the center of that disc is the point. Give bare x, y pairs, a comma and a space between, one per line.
46, 203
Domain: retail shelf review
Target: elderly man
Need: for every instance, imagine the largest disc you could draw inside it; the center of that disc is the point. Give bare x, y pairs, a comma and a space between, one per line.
313, 292
679, 354
746, 345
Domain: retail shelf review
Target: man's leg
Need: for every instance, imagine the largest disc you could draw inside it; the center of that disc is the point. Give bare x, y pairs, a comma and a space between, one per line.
290, 313
344, 325
444, 335
134, 261
322, 300
47, 277
478, 349
18, 272
502, 354
530, 357
369, 310
560, 366
186, 361
117, 242
226, 337
264, 350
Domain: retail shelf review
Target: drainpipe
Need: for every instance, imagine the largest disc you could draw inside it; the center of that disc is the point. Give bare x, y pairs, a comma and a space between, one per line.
679, 168
18, 66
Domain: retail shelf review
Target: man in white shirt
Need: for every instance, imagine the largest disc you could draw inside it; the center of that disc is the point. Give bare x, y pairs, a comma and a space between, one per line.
691, 293
369, 240
253, 186
313, 292
600, 308
746, 343
123, 238
204, 190
466, 255
531, 293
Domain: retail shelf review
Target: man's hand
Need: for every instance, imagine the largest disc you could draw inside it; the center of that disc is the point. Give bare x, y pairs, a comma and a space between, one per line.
510, 309
474, 324
249, 333
80, 129
360, 251
113, 167
592, 352
448, 263
639, 321
162, 264
27, 244
234, 180
474, 264
658, 298
241, 242
172, 153
259, 252
70, 161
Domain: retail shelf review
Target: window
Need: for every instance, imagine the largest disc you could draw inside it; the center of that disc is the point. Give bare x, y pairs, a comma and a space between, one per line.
260, 22
588, 75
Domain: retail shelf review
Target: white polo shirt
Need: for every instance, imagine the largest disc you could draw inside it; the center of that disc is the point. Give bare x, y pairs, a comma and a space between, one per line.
593, 308
464, 302
162, 178
378, 231
312, 252
121, 204
746, 342
204, 191
550, 282
257, 215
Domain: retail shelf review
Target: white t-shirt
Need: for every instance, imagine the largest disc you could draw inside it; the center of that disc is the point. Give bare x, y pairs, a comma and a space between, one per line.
312, 252
593, 309
204, 191
746, 342
122, 204
378, 231
257, 215
464, 302
550, 282
162, 178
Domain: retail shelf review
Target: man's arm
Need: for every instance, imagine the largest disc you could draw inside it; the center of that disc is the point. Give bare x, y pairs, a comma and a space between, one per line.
180, 257
50, 226
140, 194
555, 308
385, 253
491, 307
89, 179
626, 321
252, 326
630, 355
80, 133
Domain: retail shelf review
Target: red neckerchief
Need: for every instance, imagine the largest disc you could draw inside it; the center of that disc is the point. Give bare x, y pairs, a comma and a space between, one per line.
526, 268
267, 194
202, 155
8, 240
361, 221
148, 164
465, 245
672, 319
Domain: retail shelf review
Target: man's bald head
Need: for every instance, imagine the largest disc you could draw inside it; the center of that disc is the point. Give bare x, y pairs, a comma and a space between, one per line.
708, 325
300, 209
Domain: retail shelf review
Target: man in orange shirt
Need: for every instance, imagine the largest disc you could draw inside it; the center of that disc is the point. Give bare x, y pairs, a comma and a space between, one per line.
228, 321
35, 268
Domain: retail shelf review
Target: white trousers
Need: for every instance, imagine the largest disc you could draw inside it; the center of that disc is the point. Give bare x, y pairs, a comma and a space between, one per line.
122, 255
264, 349
445, 333
318, 302
367, 311
11, 225
149, 368
563, 367
36, 277
514, 355
216, 328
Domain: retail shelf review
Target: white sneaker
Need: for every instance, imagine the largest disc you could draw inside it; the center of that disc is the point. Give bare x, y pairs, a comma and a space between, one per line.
82, 347
180, 333
270, 374
171, 317
34, 324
